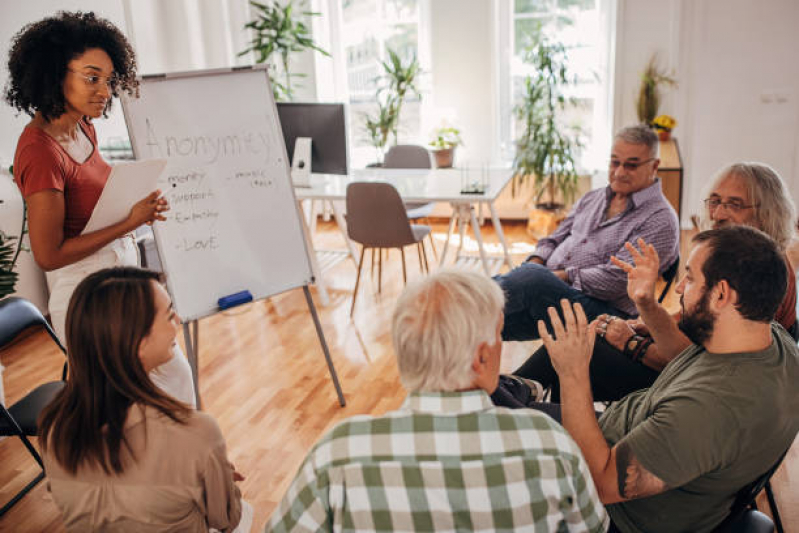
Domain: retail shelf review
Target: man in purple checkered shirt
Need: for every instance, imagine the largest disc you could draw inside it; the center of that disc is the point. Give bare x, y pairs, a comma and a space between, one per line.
574, 262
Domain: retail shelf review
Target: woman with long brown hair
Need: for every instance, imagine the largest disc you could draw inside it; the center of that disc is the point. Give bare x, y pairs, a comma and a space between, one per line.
119, 453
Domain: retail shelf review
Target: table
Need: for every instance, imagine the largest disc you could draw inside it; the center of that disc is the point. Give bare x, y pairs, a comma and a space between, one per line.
419, 185
670, 173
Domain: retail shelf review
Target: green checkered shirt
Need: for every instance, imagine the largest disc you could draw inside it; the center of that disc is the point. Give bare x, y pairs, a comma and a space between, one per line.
443, 462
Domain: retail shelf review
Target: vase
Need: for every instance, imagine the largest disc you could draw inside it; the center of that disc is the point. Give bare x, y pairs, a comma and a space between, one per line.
444, 157
664, 135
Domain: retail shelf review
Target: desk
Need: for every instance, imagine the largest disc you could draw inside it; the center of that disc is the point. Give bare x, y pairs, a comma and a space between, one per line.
422, 185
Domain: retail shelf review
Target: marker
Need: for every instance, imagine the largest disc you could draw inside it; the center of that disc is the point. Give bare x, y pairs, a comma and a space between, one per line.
238, 298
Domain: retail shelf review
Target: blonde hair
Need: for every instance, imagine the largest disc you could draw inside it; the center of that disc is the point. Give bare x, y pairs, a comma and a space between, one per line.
774, 210
438, 325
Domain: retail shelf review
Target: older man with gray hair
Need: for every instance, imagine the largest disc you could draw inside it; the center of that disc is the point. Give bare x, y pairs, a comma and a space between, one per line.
574, 262
447, 459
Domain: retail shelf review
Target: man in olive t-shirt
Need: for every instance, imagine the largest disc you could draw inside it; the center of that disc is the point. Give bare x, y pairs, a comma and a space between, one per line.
672, 457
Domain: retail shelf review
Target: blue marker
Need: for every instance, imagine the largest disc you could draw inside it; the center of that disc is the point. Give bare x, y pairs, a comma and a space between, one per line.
238, 298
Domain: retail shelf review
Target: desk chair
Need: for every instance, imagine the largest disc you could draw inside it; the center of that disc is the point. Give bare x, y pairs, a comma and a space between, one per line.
376, 218
412, 156
19, 420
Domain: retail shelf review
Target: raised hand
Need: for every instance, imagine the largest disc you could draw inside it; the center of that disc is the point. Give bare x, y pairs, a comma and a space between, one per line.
642, 275
571, 347
148, 209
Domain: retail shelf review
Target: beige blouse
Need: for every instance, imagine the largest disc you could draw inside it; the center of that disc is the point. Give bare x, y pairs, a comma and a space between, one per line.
181, 480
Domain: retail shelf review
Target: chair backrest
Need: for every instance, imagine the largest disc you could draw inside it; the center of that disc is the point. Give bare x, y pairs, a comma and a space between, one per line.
746, 496
376, 216
408, 156
668, 275
18, 314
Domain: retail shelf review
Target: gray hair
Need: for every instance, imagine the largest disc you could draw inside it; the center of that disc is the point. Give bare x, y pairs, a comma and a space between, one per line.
774, 211
639, 134
438, 325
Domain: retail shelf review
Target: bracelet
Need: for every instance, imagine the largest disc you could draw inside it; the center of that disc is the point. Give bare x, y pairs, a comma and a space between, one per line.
642, 348
631, 346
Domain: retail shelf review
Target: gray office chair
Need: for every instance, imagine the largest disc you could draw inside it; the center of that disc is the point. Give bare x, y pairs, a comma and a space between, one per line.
20, 420
376, 219
412, 156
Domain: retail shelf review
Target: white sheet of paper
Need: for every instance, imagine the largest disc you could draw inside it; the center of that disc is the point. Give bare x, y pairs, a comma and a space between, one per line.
127, 184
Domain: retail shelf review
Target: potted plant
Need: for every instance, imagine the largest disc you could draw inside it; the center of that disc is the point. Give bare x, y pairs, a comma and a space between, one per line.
444, 142
278, 32
394, 86
546, 150
649, 94
10, 248
664, 124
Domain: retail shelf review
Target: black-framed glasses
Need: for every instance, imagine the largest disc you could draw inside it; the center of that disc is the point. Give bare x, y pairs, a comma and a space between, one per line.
733, 206
94, 80
628, 165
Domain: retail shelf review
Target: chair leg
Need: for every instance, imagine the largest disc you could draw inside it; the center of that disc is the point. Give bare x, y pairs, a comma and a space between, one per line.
433, 245
380, 271
772, 503
372, 272
419, 246
358, 279
22, 493
404, 274
424, 255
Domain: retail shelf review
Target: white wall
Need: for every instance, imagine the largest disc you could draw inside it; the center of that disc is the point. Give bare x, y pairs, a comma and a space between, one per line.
738, 82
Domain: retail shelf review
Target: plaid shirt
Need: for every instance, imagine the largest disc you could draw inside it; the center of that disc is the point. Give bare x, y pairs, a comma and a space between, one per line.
444, 462
584, 241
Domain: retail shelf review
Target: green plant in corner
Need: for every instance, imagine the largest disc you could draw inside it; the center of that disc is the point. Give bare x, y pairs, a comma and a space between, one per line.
10, 248
278, 31
545, 152
649, 95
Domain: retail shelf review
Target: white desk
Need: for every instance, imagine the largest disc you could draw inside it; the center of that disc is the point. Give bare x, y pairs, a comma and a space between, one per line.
422, 185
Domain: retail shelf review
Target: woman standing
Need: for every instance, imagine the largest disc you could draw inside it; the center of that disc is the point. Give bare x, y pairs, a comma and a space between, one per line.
121, 455
64, 71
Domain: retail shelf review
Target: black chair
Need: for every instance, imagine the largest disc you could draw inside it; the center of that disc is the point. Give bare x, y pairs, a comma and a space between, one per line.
668, 276
19, 420
744, 516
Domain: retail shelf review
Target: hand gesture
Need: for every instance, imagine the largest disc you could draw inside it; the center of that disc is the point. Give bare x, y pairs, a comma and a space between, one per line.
148, 209
642, 274
614, 330
571, 348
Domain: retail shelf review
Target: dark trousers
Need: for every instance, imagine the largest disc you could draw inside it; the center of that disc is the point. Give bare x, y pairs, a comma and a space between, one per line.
530, 289
613, 375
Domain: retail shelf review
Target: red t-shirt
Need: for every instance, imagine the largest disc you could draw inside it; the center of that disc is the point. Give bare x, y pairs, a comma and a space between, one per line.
41, 164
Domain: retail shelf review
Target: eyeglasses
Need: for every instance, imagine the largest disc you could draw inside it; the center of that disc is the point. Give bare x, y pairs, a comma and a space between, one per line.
628, 165
94, 80
733, 206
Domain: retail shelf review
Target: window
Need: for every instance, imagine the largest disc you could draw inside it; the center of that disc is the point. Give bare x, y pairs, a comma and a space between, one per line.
367, 29
578, 25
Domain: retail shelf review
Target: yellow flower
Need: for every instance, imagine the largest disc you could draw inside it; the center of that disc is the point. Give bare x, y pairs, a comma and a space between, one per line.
664, 122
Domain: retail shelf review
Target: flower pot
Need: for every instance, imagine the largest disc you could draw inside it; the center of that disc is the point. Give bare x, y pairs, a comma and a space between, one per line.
664, 135
444, 157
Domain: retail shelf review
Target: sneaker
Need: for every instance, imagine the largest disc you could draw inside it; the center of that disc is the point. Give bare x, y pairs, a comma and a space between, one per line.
527, 391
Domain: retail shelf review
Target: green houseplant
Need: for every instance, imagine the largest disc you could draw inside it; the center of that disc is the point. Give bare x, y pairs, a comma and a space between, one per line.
397, 82
278, 31
546, 150
652, 79
10, 248
445, 140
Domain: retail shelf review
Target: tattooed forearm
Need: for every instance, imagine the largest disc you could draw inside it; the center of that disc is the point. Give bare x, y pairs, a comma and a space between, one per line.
633, 479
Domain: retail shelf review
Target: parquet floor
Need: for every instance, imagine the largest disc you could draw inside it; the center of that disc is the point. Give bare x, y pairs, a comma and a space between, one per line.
263, 376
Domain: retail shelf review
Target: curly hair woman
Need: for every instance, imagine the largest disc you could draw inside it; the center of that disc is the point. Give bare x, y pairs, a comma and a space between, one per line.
64, 72
120, 454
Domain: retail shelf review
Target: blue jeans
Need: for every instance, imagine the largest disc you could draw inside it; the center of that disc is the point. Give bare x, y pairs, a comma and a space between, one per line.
530, 289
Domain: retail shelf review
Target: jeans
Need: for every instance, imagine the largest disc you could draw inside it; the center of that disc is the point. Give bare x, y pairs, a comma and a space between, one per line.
530, 289
613, 375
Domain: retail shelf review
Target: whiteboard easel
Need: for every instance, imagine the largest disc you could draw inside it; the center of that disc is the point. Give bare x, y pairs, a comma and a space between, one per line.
234, 223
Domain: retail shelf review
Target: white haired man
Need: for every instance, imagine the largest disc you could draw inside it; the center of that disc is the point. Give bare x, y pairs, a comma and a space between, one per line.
448, 459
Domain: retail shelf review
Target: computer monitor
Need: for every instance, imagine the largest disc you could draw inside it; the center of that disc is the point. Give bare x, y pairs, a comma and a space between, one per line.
325, 125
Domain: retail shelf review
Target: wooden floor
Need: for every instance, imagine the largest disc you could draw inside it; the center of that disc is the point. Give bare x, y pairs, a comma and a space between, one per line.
263, 376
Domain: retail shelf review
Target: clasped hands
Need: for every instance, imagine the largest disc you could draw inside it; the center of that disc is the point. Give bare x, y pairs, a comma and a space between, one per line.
572, 344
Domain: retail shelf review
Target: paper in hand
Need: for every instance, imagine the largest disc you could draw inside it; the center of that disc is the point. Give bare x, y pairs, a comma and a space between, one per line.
128, 183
